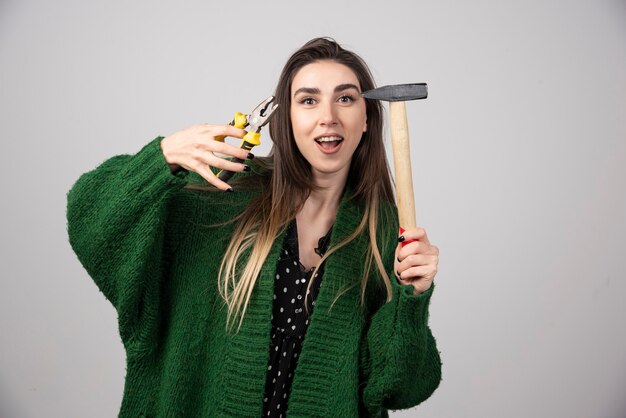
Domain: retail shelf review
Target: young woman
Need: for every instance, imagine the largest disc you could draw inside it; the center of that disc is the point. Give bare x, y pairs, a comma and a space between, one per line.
290, 296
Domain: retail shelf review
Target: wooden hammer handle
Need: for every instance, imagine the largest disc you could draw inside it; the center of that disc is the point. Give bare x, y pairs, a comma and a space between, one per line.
402, 164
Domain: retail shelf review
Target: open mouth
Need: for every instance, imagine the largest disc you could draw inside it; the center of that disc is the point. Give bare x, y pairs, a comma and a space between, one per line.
329, 142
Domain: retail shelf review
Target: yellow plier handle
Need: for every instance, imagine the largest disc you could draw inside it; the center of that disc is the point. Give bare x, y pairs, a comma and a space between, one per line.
253, 122
250, 140
239, 121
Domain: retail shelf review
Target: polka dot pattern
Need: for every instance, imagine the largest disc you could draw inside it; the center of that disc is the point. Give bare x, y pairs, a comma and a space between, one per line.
290, 319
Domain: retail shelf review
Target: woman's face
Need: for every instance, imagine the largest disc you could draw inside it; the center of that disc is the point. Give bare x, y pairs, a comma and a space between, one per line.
326, 106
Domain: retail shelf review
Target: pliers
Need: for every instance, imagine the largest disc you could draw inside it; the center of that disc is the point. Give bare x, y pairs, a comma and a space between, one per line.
253, 124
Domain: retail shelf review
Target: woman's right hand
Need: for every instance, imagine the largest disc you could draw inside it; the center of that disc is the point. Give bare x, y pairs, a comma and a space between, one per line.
192, 148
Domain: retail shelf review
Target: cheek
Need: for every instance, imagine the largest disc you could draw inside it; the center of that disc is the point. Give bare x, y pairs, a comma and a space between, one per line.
359, 124
302, 123
358, 118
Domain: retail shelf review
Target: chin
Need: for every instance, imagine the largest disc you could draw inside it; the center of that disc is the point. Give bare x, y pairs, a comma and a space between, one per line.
330, 170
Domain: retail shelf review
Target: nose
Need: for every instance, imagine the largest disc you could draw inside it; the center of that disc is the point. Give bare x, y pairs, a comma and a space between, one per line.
328, 116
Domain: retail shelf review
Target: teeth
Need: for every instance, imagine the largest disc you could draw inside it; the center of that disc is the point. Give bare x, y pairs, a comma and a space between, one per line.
329, 139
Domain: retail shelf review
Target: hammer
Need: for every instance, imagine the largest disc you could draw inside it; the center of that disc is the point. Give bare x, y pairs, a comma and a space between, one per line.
396, 96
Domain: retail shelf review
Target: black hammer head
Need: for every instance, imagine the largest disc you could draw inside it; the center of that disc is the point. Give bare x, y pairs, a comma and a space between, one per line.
398, 92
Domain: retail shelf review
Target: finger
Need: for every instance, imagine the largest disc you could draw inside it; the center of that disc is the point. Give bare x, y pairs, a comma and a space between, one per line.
230, 150
418, 273
209, 159
418, 260
208, 175
416, 233
413, 247
403, 277
226, 130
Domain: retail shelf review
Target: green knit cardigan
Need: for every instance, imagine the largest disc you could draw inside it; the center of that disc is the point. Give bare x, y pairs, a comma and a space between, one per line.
143, 239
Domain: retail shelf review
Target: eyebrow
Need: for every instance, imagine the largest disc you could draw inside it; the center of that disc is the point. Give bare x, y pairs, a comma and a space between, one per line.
315, 90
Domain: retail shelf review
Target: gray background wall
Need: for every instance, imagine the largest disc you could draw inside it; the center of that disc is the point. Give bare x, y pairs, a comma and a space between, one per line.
519, 170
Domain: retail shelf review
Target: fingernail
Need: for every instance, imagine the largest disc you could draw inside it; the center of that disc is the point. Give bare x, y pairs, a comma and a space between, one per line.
229, 190
246, 168
401, 238
250, 156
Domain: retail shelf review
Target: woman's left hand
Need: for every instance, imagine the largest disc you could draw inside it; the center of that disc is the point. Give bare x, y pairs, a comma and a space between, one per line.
416, 262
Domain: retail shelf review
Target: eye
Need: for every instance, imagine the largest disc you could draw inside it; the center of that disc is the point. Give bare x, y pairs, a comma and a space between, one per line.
346, 98
306, 101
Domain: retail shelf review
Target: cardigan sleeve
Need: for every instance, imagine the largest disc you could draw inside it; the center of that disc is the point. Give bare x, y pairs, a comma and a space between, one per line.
401, 363
116, 217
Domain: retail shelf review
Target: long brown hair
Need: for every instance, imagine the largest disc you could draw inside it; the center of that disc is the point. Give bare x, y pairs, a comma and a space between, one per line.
285, 178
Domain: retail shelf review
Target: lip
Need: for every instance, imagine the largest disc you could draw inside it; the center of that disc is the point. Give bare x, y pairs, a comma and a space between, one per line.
331, 151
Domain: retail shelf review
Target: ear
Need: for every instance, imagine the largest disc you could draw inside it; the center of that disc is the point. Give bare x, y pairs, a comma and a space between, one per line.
365, 126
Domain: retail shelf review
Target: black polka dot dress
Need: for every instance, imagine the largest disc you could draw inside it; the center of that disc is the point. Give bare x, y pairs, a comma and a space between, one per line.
290, 319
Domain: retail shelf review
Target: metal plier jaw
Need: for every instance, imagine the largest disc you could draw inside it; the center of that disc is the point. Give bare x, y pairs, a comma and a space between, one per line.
252, 123
261, 114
